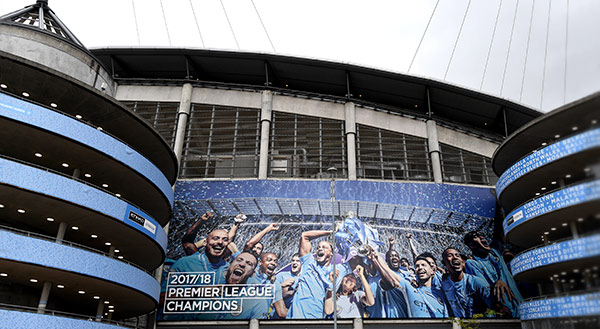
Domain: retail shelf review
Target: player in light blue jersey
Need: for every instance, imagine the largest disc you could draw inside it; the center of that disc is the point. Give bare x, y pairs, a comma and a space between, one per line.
267, 265
466, 294
283, 288
423, 301
488, 264
313, 281
377, 310
240, 272
208, 260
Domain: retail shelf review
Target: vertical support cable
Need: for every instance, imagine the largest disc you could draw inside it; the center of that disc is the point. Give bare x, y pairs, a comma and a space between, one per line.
527, 48
487, 60
263, 26
165, 20
457, 38
512, 30
197, 25
546, 53
423, 36
230, 26
137, 30
566, 53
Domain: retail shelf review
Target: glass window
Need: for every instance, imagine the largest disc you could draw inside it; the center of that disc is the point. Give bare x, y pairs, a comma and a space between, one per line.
221, 142
161, 116
305, 146
383, 154
460, 166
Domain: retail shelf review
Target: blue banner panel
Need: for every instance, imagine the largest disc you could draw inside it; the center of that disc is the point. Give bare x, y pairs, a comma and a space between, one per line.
557, 253
560, 199
263, 249
572, 145
561, 307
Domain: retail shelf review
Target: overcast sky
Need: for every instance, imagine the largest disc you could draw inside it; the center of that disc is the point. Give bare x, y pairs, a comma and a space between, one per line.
552, 58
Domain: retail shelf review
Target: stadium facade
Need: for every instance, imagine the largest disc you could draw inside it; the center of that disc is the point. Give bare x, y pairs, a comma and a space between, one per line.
550, 187
115, 159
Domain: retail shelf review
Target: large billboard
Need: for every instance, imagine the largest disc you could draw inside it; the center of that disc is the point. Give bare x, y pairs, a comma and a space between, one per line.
272, 249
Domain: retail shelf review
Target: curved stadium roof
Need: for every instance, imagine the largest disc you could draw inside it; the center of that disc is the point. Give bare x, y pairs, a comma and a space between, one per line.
386, 90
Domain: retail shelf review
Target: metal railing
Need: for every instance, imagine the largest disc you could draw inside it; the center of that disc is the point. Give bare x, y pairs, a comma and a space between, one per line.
79, 180
67, 315
71, 244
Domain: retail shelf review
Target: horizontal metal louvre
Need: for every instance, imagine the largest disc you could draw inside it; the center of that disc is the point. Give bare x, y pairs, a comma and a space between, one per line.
221, 142
383, 154
305, 146
161, 116
460, 166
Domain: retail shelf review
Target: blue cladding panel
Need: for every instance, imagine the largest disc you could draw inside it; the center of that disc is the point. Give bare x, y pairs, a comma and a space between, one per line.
568, 197
70, 128
561, 307
26, 320
562, 149
69, 190
27, 250
557, 253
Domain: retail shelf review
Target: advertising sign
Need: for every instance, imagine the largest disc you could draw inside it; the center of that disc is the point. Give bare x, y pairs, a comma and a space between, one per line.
240, 250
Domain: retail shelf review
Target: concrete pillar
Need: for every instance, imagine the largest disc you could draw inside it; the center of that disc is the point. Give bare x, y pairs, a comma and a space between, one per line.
574, 230
185, 107
158, 272
76, 173
111, 251
434, 151
556, 284
350, 124
44, 297
589, 280
100, 310
266, 111
253, 324
62, 228
357, 323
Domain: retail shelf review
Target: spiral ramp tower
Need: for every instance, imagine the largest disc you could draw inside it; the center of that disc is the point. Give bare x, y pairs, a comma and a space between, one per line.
549, 186
85, 185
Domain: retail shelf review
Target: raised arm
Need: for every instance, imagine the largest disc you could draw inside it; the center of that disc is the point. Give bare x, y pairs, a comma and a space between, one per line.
368, 299
190, 234
258, 236
390, 279
391, 245
307, 237
411, 244
236, 224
